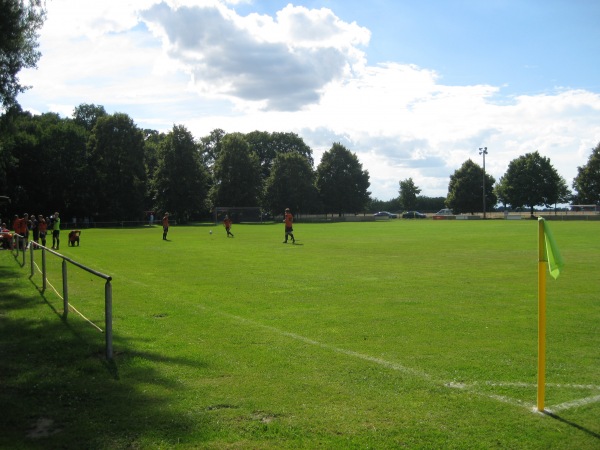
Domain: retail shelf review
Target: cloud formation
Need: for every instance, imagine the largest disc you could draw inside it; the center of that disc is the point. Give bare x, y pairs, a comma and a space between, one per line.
281, 63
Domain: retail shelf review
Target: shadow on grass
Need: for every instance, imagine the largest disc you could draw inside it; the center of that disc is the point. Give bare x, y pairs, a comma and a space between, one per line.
58, 391
572, 424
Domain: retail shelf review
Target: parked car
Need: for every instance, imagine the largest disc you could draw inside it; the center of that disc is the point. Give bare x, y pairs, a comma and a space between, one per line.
413, 215
444, 212
385, 214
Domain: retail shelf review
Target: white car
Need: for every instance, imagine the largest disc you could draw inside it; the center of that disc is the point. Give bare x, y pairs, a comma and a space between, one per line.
444, 212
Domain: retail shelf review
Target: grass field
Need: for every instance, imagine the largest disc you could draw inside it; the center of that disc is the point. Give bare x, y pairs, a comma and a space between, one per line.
399, 334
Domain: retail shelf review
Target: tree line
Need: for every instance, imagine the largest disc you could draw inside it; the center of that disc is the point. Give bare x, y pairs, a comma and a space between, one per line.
103, 167
530, 181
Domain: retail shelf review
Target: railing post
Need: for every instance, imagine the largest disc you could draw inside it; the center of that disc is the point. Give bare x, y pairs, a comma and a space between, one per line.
108, 318
65, 289
43, 269
31, 259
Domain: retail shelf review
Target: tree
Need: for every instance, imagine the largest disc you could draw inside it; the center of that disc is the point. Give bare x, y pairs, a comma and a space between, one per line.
48, 166
236, 175
116, 156
87, 115
291, 184
180, 179
587, 181
532, 181
210, 147
465, 190
408, 194
19, 24
341, 181
269, 146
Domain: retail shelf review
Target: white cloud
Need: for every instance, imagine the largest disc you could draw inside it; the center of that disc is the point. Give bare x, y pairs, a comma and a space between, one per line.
301, 70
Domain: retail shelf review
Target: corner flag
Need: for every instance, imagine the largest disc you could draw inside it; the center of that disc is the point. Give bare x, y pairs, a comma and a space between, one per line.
548, 255
555, 261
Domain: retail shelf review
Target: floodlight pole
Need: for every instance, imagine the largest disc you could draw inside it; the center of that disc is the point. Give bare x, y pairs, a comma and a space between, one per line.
483, 151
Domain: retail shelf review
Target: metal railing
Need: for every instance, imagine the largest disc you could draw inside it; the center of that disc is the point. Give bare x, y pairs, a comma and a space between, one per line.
20, 244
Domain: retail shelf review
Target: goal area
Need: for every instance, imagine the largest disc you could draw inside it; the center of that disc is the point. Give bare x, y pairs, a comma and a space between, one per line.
239, 214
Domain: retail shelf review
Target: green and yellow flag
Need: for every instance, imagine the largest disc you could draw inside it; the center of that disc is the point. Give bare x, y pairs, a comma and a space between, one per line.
553, 258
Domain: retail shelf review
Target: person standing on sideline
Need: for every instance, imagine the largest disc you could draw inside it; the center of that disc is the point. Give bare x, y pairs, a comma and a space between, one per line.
56, 232
289, 221
165, 224
227, 225
35, 229
42, 229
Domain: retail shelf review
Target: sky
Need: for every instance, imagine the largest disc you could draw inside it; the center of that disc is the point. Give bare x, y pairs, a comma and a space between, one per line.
413, 87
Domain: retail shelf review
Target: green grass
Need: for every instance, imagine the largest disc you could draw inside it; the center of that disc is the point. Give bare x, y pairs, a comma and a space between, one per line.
400, 334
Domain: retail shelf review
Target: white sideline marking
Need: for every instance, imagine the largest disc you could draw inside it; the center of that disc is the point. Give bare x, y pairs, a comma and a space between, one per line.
575, 403
451, 384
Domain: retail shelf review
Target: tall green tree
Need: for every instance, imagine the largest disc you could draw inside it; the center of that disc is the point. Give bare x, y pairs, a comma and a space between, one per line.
291, 184
269, 146
465, 190
19, 25
236, 174
87, 114
342, 183
210, 147
587, 181
532, 181
48, 166
408, 194
116, 156
181, 181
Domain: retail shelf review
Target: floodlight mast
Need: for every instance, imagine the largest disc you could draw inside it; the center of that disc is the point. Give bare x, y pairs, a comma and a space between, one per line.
483, 151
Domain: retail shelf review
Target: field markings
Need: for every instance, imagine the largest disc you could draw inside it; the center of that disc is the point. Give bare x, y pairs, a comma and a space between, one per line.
468, 387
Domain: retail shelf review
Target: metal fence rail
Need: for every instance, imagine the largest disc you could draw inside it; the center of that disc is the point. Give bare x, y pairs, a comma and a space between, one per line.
20, 245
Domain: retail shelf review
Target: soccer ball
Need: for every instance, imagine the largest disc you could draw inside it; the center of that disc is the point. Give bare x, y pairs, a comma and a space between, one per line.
210, 232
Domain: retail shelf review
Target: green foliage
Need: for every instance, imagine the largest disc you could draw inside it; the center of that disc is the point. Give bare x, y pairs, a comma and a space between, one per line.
116, 148
270, 145
408, 194
180, 180
373, 335
291, 184
19, 24
236, 174
87, 115
465, 190
587, 181
532, 181
211, 147
342, 183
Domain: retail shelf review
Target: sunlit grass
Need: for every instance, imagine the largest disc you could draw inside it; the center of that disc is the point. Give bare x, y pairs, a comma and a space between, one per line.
388, 334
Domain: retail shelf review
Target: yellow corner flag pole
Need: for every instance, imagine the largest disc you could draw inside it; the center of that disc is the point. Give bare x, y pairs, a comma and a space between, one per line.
548, 257
542, 263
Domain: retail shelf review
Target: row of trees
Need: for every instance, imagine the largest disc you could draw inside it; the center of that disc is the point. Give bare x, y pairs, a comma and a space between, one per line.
102, 166
530, 181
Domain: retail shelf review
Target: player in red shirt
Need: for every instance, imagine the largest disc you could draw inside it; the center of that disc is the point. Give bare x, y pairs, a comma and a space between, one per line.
289, 230
165, 224
227, 225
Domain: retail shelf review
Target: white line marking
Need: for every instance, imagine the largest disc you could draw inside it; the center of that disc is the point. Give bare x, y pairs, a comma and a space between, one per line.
451, 384
575, 403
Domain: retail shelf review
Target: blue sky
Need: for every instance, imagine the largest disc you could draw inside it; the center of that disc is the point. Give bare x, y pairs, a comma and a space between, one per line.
414, 88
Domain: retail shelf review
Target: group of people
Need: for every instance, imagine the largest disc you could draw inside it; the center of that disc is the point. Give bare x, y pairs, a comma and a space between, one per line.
36, 226
288, 219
